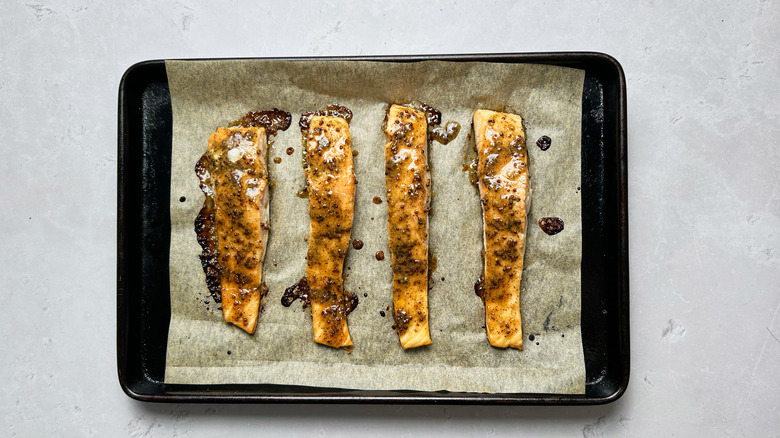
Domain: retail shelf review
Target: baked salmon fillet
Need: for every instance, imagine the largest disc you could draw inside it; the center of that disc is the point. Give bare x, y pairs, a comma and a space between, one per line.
408, 184
330, 181
502, 171
234, 178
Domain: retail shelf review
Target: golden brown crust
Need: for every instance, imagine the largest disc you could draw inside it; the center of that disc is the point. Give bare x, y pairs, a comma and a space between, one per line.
408, 183
502, 171
235, 165
330, 180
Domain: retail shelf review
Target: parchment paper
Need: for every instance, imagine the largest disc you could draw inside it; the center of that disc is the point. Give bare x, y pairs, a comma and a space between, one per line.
203, 349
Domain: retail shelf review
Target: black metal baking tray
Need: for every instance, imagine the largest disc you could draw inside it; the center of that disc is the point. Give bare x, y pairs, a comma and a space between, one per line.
143, 294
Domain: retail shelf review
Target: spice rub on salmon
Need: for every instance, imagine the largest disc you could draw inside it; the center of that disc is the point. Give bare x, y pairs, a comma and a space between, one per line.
330, 180
233, 225
502, 171
408, 184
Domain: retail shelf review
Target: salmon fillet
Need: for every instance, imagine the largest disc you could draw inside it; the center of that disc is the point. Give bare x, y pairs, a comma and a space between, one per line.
502, 171
408, 183
234, 176
330, 180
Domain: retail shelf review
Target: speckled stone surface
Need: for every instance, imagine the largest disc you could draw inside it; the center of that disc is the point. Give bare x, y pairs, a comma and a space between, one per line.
704, 180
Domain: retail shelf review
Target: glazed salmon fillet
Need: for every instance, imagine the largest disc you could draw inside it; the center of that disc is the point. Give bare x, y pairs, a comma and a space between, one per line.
408, 183
502, 171
234, 178
330, 180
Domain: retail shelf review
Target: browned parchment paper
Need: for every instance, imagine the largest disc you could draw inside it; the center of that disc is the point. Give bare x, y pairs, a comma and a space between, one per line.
202, 348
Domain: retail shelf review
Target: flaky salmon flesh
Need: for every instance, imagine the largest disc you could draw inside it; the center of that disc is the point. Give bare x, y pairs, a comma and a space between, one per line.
235, 166
330, 180
502, 171
408, 184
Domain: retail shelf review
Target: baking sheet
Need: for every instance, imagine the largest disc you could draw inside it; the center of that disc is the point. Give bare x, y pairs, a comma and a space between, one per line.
204, 349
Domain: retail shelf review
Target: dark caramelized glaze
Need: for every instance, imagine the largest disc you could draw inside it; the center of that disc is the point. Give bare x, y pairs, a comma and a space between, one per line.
298, 291
351, 301
273, 120
207, 238
551, 225
432, 115
333, 110
443, 135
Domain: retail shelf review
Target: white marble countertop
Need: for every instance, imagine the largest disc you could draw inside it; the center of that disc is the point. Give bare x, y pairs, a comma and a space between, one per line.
704, 181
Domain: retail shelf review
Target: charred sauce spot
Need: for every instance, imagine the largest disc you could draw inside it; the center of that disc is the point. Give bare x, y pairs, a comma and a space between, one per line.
544, 142
479, 288
551, 225
351, 301
377, 200
298, 291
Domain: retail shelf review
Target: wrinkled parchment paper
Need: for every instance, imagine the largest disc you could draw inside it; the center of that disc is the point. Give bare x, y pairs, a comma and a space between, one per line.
203, 349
